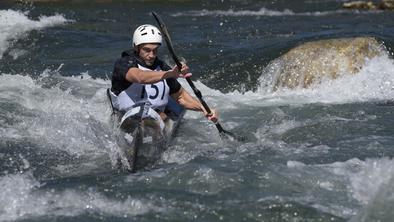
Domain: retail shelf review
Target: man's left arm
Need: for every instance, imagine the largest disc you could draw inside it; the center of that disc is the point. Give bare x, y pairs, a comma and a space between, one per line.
186, 100
190, 103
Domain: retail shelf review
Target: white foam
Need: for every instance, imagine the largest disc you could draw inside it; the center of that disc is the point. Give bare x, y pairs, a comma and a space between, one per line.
375, 81
261, 12
364, 179
371, 183
374, 176
265, 12
295, 164
55, 118
22, 197
356, 182
15, 24
285, 126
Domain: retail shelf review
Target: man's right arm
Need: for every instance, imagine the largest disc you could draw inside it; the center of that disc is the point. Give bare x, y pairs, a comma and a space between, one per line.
148, 77
145, 76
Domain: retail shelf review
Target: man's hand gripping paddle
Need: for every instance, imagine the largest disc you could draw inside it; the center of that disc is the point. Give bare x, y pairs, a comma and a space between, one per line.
223, 133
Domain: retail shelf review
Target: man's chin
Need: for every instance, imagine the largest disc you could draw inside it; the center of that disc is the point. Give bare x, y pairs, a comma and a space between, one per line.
149, 63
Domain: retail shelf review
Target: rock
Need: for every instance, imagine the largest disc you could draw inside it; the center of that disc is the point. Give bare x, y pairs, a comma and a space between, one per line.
359, 5
313, 61
386, 5
368, 5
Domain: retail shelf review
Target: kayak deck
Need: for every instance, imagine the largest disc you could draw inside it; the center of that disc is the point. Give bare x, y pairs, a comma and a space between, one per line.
143, 136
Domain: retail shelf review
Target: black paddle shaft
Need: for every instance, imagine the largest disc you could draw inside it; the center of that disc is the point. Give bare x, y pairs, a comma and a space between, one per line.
166, 36
196, 91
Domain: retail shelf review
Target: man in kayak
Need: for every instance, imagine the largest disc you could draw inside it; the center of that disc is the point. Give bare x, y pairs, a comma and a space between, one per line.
139, 76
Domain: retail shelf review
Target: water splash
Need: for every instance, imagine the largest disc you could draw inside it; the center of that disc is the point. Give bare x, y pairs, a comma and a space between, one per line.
15, 24
23, 197
375, 81
369, 182
65, 116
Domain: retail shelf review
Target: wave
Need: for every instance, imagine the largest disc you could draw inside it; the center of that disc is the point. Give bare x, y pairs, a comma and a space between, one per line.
265, 12
15, 24
23, 197
367, 182
373, 186
57, 114
261, 12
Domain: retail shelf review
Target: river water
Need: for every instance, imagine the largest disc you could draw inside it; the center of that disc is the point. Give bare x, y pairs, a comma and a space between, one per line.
319, 154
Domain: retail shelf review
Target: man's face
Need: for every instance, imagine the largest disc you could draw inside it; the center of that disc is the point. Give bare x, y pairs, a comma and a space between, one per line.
148, 52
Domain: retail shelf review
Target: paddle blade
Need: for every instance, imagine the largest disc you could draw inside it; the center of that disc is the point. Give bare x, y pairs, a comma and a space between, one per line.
224, 134
231, 136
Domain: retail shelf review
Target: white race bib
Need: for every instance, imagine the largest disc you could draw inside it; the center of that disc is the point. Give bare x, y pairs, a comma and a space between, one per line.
156, 94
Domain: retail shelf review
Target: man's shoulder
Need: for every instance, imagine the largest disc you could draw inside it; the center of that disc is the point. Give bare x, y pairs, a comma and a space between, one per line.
127, 59
127, 53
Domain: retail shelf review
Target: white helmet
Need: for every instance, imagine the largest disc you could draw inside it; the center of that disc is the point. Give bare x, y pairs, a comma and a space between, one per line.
146, 34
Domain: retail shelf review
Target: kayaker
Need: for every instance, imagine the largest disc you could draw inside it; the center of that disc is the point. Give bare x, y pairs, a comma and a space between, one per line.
139, 76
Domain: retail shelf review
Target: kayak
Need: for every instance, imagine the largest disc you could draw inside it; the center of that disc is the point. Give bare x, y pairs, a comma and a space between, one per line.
142, 135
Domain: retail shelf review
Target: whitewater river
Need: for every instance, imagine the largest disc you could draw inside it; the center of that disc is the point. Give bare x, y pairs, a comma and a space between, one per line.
324, 153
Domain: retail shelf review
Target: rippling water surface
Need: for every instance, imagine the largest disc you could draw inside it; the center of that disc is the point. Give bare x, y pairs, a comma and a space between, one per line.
317, 154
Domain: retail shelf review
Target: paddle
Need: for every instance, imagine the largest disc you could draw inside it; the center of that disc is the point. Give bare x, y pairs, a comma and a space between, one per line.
166, 35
